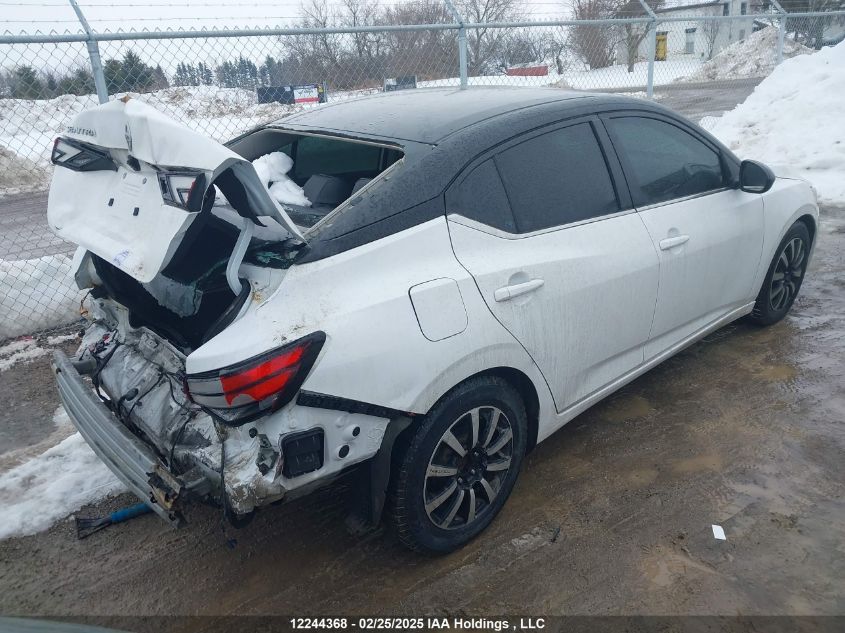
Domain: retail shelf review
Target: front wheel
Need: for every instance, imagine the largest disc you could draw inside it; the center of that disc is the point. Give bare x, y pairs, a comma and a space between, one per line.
459, 466
783, 280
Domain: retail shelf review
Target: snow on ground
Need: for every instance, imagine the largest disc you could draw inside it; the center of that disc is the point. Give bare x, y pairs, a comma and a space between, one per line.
755, 56
579, 77
19, 351
45, 489
796, 117
37, 294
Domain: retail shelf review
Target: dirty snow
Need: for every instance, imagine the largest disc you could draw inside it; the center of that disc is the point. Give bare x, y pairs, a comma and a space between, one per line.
19, 351
36, 294
755, 56
45, 489
19, 175
273, 170
796, 117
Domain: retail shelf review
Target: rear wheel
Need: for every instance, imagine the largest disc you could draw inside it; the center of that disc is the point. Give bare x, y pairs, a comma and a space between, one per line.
784, 278
459, 466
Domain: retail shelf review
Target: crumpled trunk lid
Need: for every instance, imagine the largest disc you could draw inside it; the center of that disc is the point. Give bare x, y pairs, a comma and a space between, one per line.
119, 211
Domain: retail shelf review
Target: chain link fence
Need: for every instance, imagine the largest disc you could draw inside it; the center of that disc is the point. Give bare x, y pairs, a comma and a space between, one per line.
701, 60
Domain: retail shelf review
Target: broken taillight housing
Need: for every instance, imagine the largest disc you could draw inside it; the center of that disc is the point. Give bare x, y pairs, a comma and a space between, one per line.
80, 156
257, 386
183, 189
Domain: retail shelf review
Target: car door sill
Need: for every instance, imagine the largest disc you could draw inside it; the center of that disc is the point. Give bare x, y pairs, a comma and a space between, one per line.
585, 403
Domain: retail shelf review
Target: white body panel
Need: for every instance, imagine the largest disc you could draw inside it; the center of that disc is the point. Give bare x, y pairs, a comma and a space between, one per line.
597, 278
709, 248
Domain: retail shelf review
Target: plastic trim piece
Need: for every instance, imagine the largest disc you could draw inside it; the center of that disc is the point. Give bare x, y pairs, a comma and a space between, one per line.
336, 403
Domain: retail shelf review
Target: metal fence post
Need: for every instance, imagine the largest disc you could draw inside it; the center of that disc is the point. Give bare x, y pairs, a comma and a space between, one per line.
781, 37
781, 29
93, 54
652, 53
462, 43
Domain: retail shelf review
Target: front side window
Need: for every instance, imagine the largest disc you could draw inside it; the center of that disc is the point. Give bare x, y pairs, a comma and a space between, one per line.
664, 162
557, 178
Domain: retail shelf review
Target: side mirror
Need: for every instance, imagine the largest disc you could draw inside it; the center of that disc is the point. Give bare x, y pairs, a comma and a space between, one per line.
755, 177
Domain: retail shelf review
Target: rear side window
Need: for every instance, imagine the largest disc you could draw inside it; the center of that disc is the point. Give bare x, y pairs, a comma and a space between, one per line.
557, 178
315, 155
481, 197
665, 161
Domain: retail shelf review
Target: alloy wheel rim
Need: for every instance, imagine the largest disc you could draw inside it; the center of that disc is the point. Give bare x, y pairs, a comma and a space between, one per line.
787, 275
468, 467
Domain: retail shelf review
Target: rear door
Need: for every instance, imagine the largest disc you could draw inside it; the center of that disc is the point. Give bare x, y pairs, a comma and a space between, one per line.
559, 255
709, 236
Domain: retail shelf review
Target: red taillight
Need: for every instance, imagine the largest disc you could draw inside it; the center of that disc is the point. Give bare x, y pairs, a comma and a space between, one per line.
262, 380
256, 386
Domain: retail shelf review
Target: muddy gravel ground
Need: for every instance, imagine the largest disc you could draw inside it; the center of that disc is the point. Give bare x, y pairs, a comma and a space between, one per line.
611, 515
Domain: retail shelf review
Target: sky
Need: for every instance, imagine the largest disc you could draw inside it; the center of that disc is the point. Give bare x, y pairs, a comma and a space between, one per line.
111, 15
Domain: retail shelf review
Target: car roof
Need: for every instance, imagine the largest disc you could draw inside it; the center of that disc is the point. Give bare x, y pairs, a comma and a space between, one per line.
427, 115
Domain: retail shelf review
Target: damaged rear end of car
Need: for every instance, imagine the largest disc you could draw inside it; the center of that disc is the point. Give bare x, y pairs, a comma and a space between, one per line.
179, 239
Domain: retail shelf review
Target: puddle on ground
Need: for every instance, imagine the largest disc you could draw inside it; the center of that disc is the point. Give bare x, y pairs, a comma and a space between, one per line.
626, 407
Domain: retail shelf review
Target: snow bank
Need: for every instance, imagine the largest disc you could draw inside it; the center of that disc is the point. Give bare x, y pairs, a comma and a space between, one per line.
37, 294
273, 168
796, 117
755, 56
36, 494
19, 175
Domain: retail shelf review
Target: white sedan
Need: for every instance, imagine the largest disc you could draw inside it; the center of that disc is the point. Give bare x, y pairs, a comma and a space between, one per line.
409, 290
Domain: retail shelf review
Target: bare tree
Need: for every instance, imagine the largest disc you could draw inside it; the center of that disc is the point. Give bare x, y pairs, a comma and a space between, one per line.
632, 35
711, 34
486, 45
595, 44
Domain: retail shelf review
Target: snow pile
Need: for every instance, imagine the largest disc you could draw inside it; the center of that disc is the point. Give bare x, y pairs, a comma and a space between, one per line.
273, 168
36, 494
36, 294
755, 56
796, 117
17, 174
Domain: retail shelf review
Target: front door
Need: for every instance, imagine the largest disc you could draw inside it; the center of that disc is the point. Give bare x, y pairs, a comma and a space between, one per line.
569, 272
709, 236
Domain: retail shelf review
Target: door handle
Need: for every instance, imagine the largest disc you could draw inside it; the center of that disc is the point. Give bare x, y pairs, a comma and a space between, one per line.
671, 242
506, 293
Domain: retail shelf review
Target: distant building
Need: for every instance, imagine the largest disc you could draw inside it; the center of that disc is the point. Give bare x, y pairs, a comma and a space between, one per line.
697, 39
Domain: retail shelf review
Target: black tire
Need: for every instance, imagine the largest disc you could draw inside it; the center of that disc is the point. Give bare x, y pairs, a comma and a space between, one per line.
784, 277
414, 489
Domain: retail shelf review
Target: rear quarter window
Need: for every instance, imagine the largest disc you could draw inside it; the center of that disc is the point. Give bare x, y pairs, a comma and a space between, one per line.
481, 196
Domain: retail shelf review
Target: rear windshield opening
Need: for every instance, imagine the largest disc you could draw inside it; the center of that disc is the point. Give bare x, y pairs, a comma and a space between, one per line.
311, 175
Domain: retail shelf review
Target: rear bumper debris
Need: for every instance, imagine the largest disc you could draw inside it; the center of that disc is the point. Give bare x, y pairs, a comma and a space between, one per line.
132, 461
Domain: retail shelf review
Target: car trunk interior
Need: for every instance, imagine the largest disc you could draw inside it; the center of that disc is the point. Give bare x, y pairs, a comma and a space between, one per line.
190, 300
